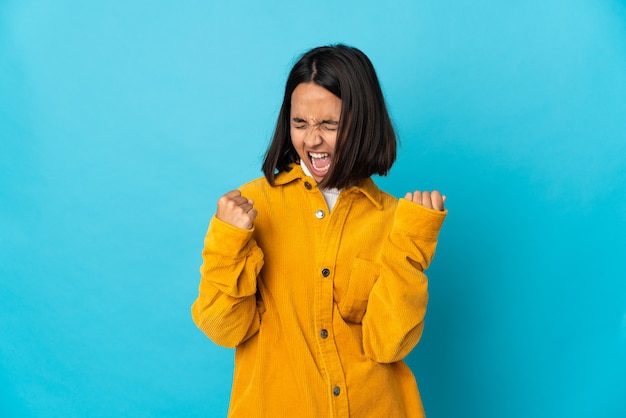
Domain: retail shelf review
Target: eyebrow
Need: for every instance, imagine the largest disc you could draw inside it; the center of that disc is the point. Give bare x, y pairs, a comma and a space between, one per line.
325, 121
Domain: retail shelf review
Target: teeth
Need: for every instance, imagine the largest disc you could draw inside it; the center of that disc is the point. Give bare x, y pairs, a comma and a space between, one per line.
318, 155
326, 167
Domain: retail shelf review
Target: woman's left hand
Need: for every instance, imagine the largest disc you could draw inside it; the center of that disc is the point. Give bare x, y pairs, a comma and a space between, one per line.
431, 200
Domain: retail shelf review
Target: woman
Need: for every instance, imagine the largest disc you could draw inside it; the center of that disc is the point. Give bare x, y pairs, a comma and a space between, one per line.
314, 274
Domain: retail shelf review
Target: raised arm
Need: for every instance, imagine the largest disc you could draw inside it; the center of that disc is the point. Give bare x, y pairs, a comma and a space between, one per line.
394, 320
226, 309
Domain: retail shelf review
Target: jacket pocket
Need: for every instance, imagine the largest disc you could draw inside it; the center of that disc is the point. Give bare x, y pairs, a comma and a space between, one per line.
362, 278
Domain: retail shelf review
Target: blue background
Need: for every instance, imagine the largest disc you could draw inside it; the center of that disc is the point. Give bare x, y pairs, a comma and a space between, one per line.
122, 122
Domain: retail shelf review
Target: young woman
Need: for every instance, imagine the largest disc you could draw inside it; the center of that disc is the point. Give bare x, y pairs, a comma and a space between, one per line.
314, 274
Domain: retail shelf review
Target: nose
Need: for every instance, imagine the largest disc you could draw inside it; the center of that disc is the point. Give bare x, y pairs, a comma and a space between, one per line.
313, 137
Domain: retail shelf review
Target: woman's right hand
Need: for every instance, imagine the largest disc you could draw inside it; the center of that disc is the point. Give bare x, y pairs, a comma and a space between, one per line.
236, 210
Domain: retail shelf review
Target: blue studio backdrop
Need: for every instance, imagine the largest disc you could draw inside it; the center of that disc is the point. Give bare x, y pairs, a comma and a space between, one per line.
122, 122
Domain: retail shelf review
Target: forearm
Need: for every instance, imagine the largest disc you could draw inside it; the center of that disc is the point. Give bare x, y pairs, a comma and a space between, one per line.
394, 320
226, 308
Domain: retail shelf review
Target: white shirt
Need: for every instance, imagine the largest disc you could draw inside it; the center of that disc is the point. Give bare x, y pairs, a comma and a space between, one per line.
330, 195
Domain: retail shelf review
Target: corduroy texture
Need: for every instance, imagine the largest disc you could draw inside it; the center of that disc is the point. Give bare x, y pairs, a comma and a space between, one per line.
321, 310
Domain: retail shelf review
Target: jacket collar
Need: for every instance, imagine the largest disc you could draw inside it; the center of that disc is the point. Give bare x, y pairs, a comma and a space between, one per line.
367, 187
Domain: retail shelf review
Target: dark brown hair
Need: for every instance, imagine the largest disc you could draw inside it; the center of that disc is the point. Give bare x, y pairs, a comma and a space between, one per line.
366, 141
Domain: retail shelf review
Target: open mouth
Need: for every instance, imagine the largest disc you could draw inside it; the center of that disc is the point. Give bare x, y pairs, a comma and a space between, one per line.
320, 163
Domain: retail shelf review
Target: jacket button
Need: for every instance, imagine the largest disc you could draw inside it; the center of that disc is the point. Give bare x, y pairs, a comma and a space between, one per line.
319, 214
307, 185
325, 272
324, 334
336, 391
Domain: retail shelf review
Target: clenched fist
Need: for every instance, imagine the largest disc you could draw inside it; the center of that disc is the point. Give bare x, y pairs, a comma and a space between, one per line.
431, 200
236, 210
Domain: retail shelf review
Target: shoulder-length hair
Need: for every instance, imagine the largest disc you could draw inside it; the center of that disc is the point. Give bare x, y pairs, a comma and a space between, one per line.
366, 141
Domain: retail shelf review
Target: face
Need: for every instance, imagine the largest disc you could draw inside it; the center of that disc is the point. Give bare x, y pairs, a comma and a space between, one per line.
314, 121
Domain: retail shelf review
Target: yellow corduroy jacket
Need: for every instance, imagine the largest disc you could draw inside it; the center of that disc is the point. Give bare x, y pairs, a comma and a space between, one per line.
321, 307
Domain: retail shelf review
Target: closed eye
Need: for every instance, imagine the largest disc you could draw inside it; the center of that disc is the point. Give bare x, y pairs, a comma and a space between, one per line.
330, 126
299, 123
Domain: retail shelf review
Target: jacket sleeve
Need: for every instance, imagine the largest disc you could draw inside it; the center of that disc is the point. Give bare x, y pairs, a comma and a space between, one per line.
394, 319
226, 308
